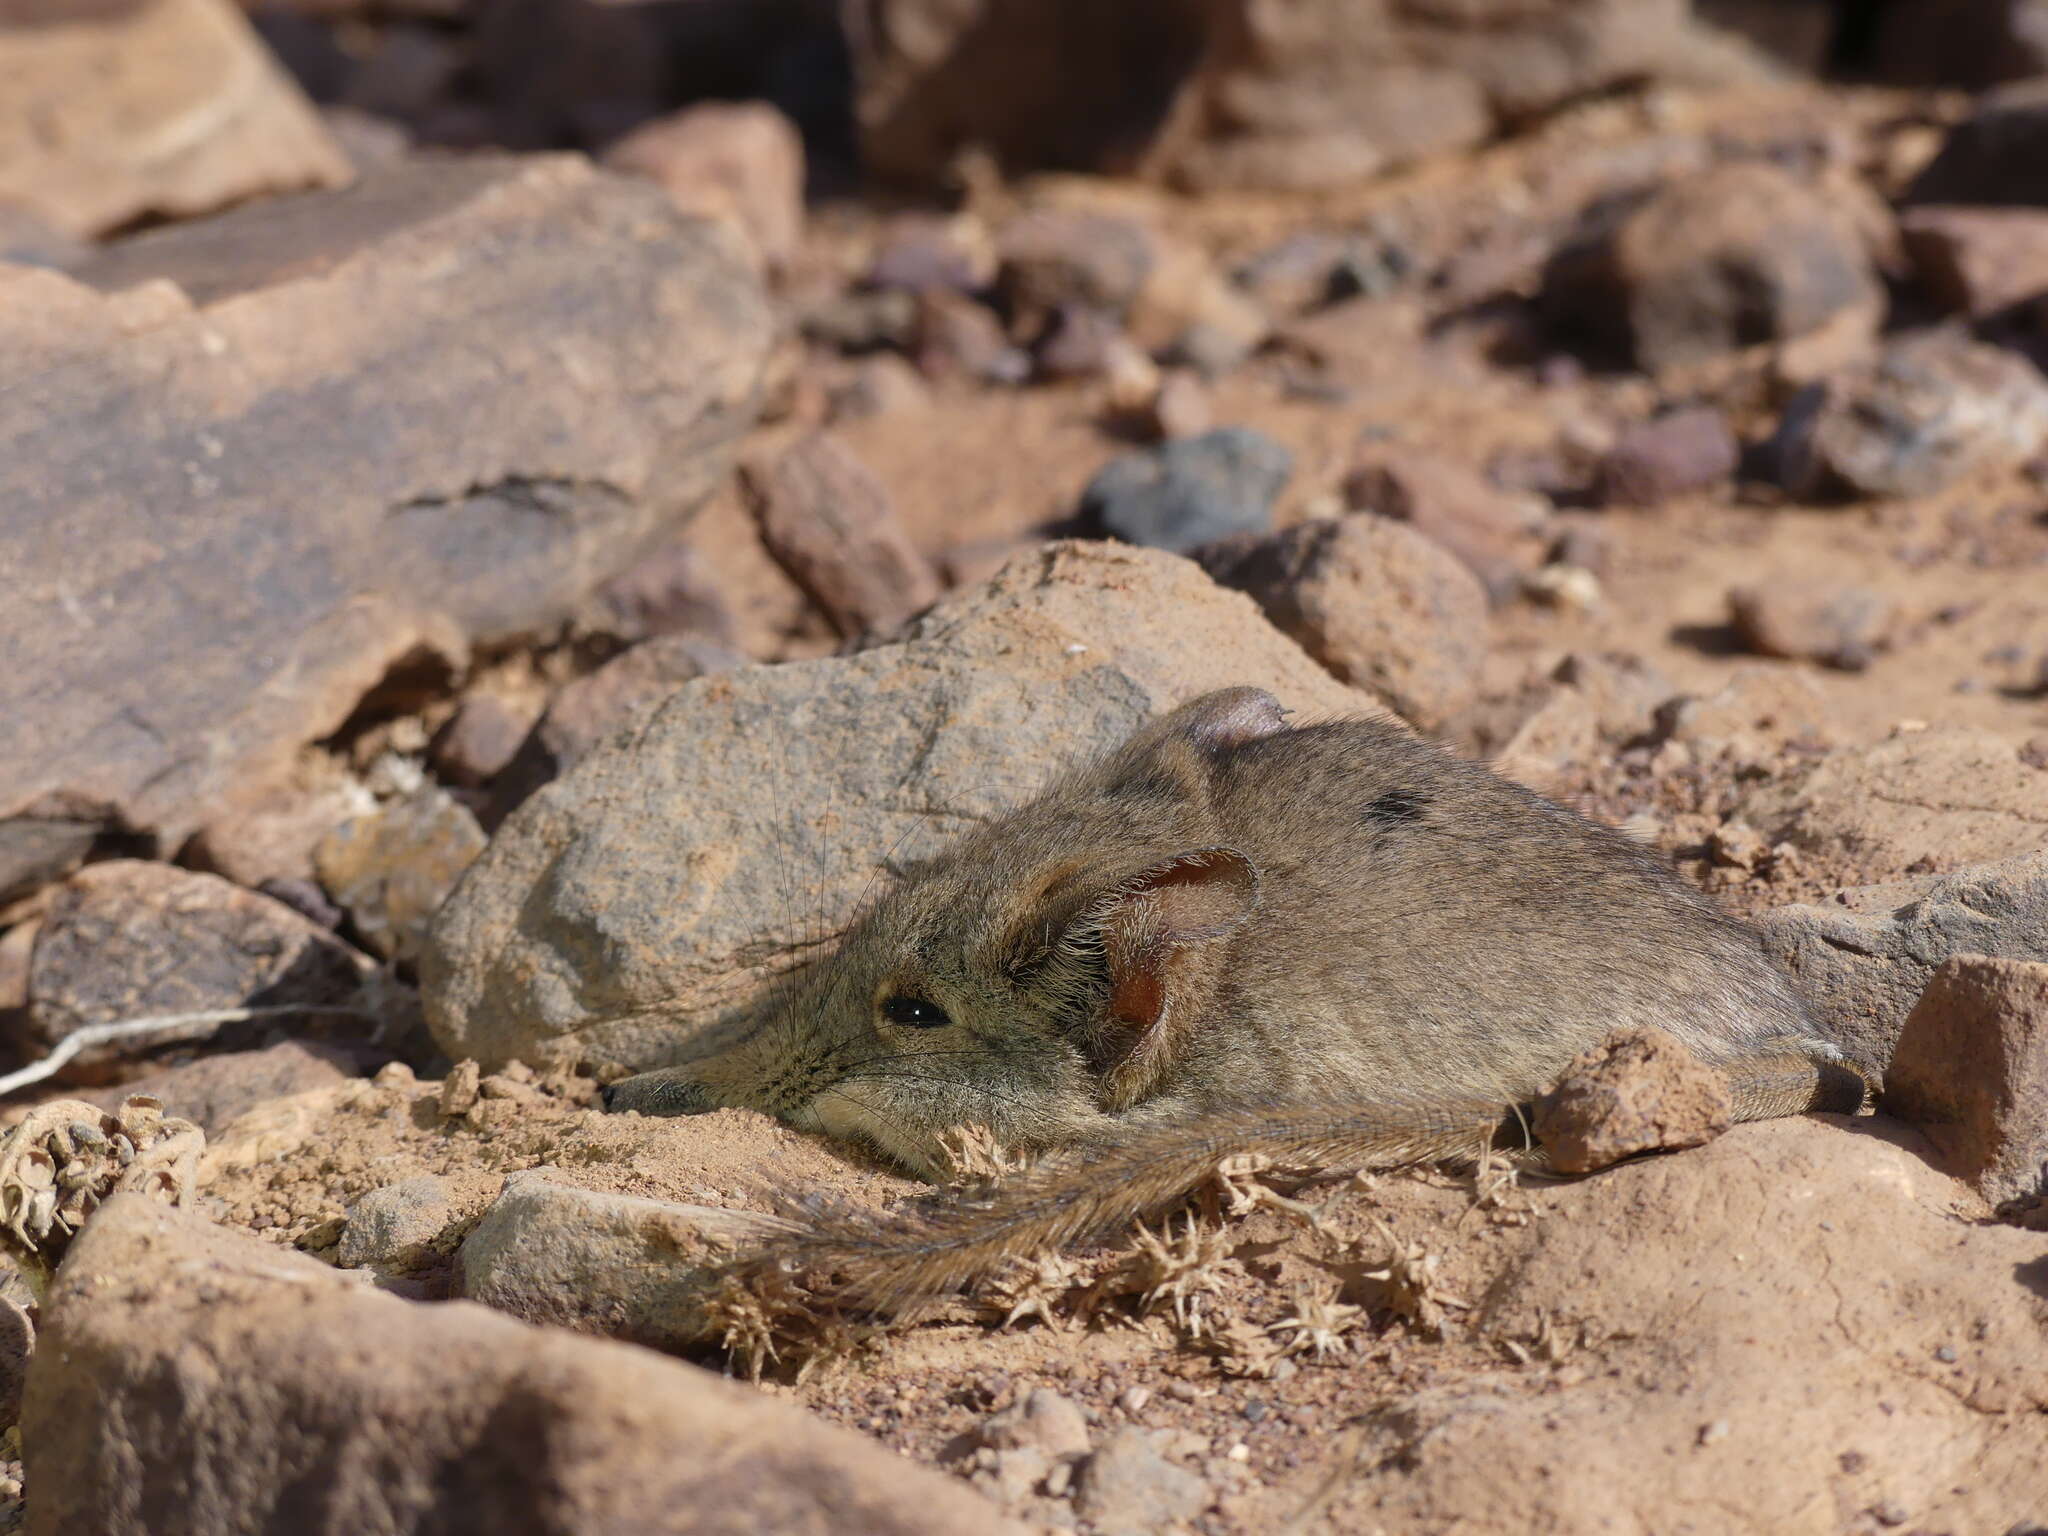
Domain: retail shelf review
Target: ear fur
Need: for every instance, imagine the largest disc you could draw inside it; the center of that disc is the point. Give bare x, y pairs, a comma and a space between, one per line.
1228, 717
1154, 927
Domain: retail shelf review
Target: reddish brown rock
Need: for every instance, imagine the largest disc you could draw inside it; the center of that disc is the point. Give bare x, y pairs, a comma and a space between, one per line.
1378, 604
128, 939
165, 108
215, 1091
669, 591
1491, 531
919, 252
478, 740
1641, 1091
1079, 343
490, 439
352, 1410
737, 161
1805, 620
1239, 94
1971, 1071
1978, 261
831, 525
1655, 461
1055, 257
956, 335
390, 870
272, 837
1735, 256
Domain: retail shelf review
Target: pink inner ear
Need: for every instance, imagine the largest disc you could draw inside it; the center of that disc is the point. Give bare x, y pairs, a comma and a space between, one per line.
1138, 997
1167, 910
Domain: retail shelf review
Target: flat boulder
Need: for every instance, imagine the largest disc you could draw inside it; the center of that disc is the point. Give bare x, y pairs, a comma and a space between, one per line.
1865, 958
1932, 799
651, 890
275, 455
1827, 1337
330, 1406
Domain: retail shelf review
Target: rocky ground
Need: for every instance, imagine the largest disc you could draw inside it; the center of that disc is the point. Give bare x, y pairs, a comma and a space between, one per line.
476, 614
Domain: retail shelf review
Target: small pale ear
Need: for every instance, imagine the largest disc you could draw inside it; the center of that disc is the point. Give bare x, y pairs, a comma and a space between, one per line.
1229, 717
1152, 926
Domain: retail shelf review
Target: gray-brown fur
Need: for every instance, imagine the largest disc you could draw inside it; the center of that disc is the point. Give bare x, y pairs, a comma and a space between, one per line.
1224, 919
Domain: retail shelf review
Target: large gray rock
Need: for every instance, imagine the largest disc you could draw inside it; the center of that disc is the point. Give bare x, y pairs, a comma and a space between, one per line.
653, 888
350, 432
622, 1265
1865, 959
242, 1388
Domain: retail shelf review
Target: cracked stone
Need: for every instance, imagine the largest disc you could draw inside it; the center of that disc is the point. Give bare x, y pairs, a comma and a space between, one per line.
177, 641
1930, 800
1865, 957
127, 939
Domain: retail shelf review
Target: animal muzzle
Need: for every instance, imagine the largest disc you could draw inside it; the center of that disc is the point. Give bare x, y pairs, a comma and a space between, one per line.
667, 1092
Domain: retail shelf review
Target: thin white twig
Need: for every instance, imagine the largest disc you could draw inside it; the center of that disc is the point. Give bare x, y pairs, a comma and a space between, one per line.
173, 1027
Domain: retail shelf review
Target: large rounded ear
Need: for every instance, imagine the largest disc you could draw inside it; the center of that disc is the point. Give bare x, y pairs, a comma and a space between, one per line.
1229, 717
1154, 930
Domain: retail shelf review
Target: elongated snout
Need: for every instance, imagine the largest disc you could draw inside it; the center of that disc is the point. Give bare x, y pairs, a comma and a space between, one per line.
670, 1091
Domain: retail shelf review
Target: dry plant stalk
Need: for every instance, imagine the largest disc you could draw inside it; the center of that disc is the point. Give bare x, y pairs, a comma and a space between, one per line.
67, 1156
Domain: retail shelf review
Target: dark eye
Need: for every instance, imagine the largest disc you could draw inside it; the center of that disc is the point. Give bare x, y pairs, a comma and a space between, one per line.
913, 1012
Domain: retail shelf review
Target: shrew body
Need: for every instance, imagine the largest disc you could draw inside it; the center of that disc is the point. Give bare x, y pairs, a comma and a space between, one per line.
1228, 912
